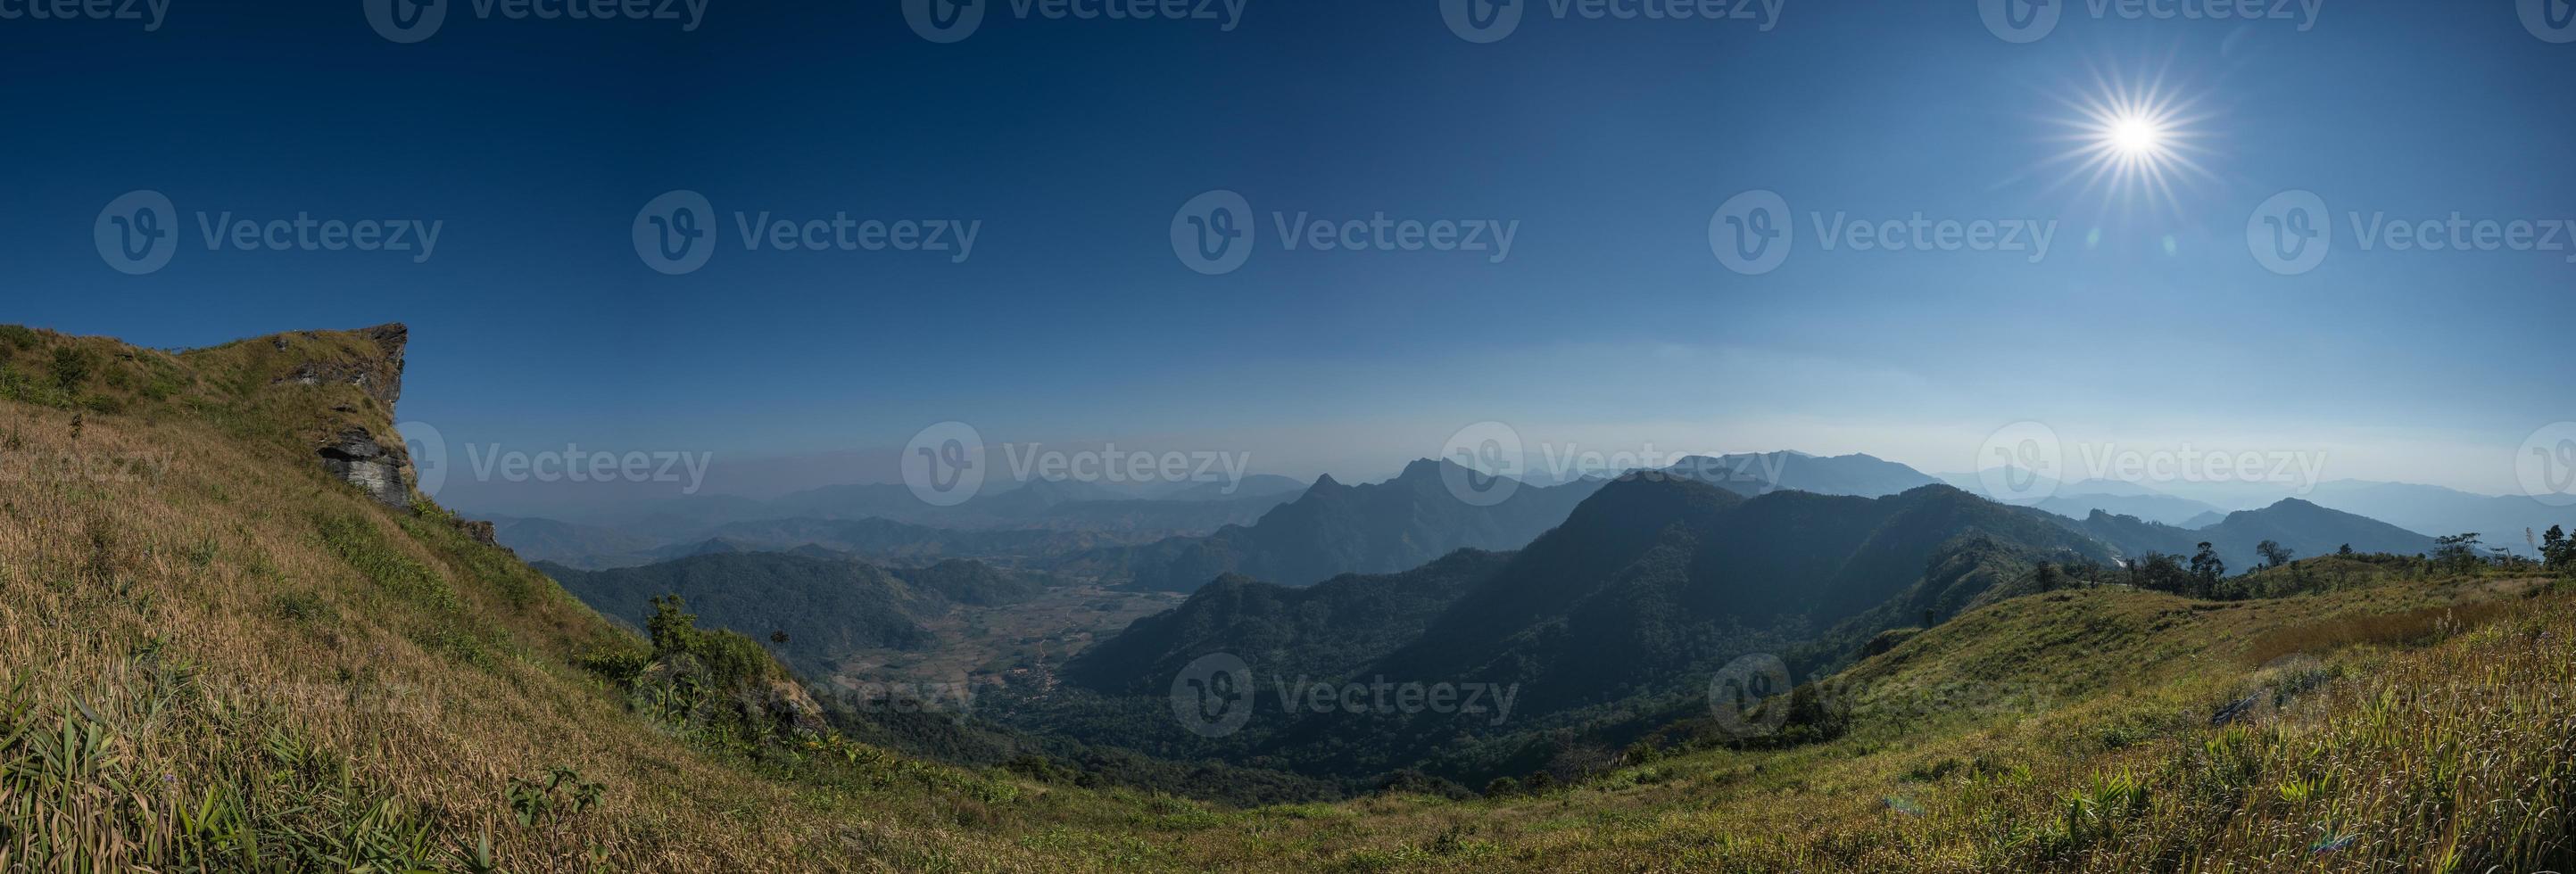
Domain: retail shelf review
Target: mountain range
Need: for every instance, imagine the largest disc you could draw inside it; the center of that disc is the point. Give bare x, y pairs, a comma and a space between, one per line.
1335, 529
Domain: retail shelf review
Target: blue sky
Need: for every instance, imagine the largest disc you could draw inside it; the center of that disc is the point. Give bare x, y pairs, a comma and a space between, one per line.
1608, 144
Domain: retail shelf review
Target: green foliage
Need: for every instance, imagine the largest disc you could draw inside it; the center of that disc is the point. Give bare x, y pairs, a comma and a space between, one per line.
731, 660
553, 800
2457, 553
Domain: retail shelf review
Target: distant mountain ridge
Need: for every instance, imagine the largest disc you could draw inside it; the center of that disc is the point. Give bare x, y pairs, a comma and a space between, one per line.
1651, 581
1335, 529
2303, 527
1751, 474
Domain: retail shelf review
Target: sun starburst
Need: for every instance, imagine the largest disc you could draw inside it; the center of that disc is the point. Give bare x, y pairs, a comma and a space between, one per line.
2134, 142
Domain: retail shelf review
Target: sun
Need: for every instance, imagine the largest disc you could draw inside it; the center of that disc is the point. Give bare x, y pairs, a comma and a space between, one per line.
2136, 141
2135, 136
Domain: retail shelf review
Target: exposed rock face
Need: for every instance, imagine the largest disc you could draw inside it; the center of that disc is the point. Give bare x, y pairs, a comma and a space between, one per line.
482, 532
379, 375
355, 456
372, 360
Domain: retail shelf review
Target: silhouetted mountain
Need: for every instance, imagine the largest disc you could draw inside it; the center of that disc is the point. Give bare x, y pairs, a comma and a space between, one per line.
1649, 585
2152, 507
2303, 527
1760, 473
1254, 486
1329, 629
1335, 529
2437, 511
1656, 576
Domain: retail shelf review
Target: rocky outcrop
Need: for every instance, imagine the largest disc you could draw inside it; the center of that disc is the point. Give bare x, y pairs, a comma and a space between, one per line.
482, 532
363, 450
355, 455
376, 368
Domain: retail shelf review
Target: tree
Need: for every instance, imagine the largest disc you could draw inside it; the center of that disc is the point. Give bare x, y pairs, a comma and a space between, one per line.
2274, 554
2156, 571
2049, 578
2458, 552
2346, 550
2557, 551
2207, 570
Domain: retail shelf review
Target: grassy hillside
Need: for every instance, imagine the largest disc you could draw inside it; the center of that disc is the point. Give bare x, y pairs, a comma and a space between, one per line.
219, 657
